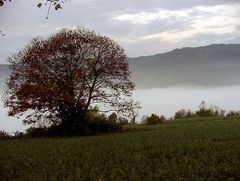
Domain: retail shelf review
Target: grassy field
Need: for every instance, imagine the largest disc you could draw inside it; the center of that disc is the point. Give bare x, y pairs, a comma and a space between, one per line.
199, 149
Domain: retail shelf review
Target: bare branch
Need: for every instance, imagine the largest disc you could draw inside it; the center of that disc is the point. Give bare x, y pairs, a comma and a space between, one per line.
2, 33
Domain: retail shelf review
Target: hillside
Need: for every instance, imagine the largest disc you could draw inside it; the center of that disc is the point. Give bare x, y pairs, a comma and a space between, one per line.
213, 65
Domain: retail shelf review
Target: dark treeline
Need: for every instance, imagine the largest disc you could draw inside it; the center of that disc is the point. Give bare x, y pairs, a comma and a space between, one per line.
205, 111
103, 123
98, 123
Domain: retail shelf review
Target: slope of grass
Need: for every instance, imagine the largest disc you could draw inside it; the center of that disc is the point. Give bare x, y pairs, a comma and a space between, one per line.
180, 150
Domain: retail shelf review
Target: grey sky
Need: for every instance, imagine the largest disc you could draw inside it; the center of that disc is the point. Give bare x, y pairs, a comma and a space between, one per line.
142, 27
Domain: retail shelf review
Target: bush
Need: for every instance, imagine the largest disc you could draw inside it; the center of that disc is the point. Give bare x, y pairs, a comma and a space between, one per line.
213, 110
97, 123
210, 112
113, 117
122, 121
18, 134
179, 114
154, 119
203, 111
36, 132
4, 135
233, 113
104, 126
100, 123
183, 114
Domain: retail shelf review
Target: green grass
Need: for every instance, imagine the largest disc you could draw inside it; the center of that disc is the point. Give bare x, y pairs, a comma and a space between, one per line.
191, 149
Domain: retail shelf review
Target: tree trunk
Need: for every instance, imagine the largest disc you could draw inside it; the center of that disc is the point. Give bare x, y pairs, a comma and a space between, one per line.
73, 122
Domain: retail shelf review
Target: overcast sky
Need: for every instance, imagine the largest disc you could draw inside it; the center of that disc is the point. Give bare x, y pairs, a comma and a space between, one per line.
141, 27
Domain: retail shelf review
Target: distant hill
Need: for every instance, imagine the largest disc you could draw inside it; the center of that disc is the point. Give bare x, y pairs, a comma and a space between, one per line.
213, 65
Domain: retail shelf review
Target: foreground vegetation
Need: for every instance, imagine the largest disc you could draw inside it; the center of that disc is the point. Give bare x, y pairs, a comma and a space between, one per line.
189, 149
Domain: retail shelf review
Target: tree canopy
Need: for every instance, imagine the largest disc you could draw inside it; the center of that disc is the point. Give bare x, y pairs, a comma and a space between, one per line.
61, 77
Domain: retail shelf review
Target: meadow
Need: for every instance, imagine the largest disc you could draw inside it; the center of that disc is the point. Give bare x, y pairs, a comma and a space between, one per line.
187, 149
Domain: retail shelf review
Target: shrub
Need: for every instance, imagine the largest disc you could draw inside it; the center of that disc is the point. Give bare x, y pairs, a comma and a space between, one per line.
36, 132
113, 117
233, 113
97, 123
183, 114
4, 135
180, 114
213, 110
204, 112
154, 119
123, 121
104, 126
210, 112
18, 134
100, 123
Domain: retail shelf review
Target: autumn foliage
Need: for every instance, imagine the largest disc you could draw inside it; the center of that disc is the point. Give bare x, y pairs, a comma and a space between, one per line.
55, 3
58, 79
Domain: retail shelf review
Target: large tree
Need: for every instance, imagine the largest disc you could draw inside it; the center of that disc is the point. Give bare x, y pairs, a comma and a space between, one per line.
59, 78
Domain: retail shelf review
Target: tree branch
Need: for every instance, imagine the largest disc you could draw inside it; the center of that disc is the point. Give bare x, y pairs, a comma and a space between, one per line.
2, 33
